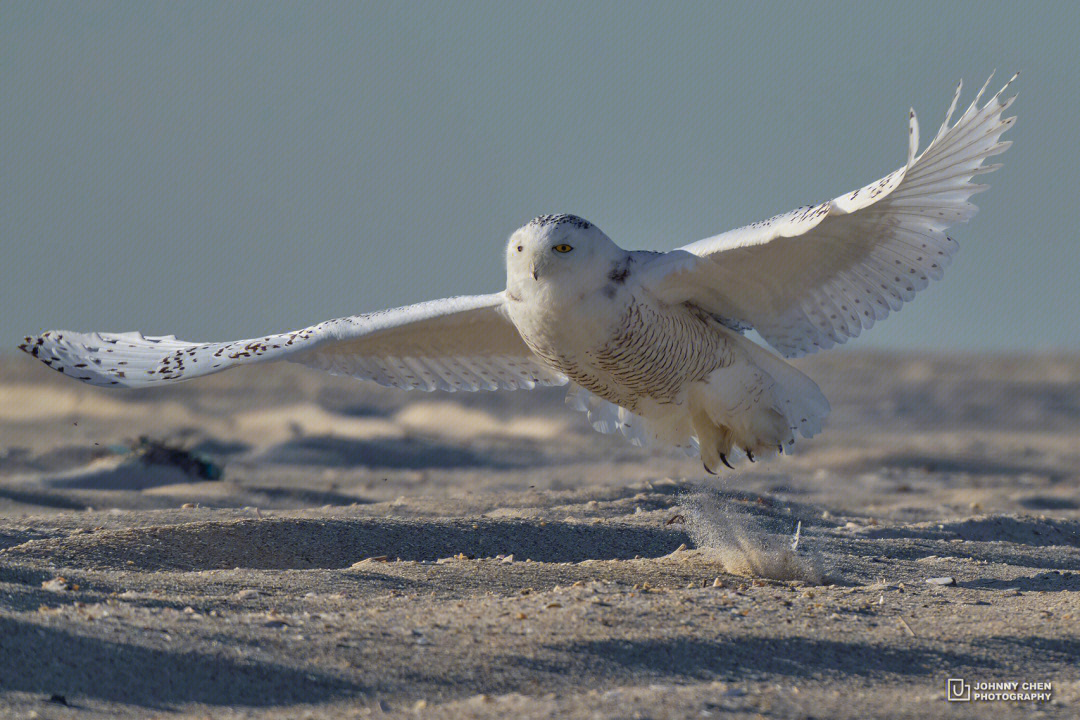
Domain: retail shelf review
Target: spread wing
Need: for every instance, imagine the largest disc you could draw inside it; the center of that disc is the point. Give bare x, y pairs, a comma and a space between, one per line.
817, 276
462, 343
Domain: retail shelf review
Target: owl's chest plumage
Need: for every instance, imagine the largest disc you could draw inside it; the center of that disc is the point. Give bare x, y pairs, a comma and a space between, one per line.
627, 348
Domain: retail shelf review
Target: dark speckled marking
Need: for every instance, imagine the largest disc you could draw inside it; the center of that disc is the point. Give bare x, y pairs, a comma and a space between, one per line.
620, 271
560, 219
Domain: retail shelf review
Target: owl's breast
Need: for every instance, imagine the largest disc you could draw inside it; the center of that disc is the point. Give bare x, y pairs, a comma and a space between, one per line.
641, 349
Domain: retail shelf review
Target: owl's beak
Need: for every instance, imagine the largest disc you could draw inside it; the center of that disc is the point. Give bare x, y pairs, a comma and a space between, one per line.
538, 266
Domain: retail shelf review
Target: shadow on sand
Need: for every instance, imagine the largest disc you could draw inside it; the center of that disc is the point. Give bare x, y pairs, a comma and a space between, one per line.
47, 661
408, 453
309, 544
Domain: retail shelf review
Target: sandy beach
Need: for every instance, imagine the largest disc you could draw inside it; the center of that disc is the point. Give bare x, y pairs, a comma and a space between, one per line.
283, 543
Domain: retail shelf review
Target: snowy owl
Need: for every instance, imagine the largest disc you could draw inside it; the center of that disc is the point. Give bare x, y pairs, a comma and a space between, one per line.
651, 344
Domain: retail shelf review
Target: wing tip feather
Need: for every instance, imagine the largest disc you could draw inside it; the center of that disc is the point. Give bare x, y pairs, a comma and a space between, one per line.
913, 136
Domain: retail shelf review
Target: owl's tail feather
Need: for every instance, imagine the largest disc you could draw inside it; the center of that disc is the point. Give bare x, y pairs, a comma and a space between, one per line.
755, 405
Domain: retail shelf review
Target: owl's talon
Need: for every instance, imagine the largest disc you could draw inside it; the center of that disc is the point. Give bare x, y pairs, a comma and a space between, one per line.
723, 459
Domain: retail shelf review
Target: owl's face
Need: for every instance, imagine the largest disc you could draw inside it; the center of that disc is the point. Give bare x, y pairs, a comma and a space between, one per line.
556, 253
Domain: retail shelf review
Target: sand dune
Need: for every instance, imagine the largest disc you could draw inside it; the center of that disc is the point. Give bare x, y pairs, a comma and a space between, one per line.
287, 544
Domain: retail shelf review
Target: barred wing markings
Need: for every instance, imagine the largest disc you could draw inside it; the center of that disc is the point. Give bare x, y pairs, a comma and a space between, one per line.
462, 343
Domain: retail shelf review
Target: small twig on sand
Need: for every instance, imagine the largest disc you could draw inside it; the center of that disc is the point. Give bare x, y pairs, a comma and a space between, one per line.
795, 540
906, 626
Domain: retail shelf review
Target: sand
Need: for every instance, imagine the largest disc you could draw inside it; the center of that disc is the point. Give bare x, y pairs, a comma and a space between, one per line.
370, 553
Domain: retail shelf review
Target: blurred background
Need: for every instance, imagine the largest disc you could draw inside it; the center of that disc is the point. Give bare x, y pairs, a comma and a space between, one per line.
228, 170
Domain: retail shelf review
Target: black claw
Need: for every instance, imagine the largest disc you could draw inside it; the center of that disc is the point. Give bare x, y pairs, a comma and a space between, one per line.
750, 454
723, 459
780, 448
708, 469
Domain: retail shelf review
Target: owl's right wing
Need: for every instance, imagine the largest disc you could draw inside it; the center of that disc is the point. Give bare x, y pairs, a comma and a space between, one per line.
461, 343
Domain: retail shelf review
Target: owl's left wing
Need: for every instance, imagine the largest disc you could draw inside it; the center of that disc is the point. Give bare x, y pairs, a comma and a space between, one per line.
817, 276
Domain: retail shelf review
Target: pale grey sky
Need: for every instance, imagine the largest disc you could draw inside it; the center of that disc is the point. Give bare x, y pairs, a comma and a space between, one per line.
223, 170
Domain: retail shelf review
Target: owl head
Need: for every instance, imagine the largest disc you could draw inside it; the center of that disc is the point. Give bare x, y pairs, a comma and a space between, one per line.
559, 253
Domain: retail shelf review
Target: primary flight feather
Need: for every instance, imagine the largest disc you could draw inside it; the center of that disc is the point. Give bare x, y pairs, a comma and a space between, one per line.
650, 343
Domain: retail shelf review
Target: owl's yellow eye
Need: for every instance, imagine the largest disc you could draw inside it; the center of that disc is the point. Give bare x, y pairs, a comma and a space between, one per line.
564, 248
